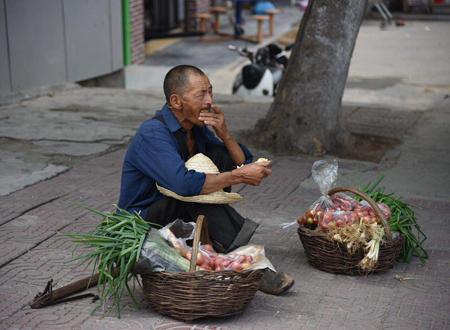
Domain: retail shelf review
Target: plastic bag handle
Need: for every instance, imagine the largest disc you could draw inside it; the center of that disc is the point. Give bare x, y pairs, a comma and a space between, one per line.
379, 214
199, 225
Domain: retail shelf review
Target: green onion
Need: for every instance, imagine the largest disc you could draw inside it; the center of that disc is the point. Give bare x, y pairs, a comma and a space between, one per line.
403, 220
117, 243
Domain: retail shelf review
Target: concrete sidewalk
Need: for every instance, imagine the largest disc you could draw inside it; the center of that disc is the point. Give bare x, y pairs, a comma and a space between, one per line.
84, 130
34, 249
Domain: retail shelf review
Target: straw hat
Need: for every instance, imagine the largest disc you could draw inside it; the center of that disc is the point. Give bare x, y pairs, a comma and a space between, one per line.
201, 163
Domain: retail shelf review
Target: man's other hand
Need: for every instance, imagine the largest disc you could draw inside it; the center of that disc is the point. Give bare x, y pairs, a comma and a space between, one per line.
216, 120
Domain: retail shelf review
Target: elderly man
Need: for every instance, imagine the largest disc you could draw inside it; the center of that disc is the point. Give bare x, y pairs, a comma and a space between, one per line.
158, 153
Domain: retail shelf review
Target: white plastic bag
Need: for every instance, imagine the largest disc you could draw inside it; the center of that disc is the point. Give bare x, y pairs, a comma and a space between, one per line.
248, 257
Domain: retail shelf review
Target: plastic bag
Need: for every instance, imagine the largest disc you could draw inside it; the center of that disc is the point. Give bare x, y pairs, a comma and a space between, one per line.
161, 249
324, 173
344, 202
247, 257
177, 233
168, 250
339, 209
158, 256
323, 211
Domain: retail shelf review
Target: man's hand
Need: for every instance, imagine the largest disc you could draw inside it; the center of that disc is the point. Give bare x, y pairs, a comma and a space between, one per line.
253, 173
216, 119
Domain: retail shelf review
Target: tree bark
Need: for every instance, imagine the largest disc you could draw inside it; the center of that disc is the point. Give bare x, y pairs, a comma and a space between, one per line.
305, 115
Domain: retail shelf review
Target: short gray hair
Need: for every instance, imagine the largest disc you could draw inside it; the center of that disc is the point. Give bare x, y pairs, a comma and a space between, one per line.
177, 79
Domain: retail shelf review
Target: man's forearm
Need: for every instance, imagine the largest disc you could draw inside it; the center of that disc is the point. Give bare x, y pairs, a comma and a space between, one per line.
235, 151
215, 182
251, 174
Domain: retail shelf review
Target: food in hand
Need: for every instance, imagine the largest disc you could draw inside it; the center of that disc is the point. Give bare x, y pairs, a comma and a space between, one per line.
263, 161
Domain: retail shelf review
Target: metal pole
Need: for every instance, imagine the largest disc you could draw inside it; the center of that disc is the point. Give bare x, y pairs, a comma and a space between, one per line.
126, 32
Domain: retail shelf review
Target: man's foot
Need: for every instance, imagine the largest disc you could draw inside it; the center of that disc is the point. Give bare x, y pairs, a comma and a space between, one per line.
275, 283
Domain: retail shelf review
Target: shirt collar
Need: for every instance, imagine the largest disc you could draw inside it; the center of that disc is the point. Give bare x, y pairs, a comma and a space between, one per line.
170, 119
173, 124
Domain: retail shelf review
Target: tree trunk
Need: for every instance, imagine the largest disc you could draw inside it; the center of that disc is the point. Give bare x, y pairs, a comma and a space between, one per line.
305, 115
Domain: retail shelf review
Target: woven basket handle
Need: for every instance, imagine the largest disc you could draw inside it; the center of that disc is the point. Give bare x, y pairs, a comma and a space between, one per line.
198, 232
379, 214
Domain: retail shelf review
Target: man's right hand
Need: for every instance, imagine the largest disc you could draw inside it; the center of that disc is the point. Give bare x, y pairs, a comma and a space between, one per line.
253, 173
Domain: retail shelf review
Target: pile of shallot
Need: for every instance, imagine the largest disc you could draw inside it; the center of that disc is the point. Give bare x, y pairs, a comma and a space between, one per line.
208, 259
341, 210
239, 260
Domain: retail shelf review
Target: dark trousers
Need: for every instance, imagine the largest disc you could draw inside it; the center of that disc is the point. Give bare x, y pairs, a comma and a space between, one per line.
238, 9
227, 228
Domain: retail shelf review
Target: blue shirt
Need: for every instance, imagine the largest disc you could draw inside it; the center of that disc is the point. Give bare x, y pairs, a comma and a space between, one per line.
154, 157
262, 6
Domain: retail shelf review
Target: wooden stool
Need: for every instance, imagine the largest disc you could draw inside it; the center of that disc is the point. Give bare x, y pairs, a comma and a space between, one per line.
271, 13
217, 11
260, 20
204, 18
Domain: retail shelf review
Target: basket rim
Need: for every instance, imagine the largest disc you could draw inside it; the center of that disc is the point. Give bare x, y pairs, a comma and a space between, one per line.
313, 233
205, 272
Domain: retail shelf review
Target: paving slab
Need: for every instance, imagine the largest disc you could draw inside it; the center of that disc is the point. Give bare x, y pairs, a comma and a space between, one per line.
384, 70
41, 137
319, 300
34, 218
17, 172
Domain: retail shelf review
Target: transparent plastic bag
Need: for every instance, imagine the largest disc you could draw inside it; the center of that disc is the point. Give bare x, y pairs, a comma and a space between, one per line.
344, 202
365, 210
171, 252
163, 249
324, 173
338, 218
157, 255
338, 209
177, 233
247, 257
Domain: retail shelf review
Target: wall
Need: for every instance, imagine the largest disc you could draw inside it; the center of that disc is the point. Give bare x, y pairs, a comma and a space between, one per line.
137, 31
49, 42
194, 7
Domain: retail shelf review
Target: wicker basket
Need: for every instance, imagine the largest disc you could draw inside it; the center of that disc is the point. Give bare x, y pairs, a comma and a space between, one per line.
195, 294
333, 257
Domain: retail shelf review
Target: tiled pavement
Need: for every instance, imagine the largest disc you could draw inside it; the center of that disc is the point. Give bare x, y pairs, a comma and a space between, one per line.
34, 250
33, 220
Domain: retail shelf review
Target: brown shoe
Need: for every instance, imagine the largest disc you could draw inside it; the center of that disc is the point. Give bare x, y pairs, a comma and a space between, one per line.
275, 283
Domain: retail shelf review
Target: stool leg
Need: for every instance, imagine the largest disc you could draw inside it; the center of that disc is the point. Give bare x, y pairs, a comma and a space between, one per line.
271, 24
260, 32
217, 23
202, 25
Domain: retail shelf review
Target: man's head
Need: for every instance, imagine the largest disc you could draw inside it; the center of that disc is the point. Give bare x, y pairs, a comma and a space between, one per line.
188, 92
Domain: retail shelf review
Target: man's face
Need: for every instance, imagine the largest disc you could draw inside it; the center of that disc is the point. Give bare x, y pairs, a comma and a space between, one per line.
196, 98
